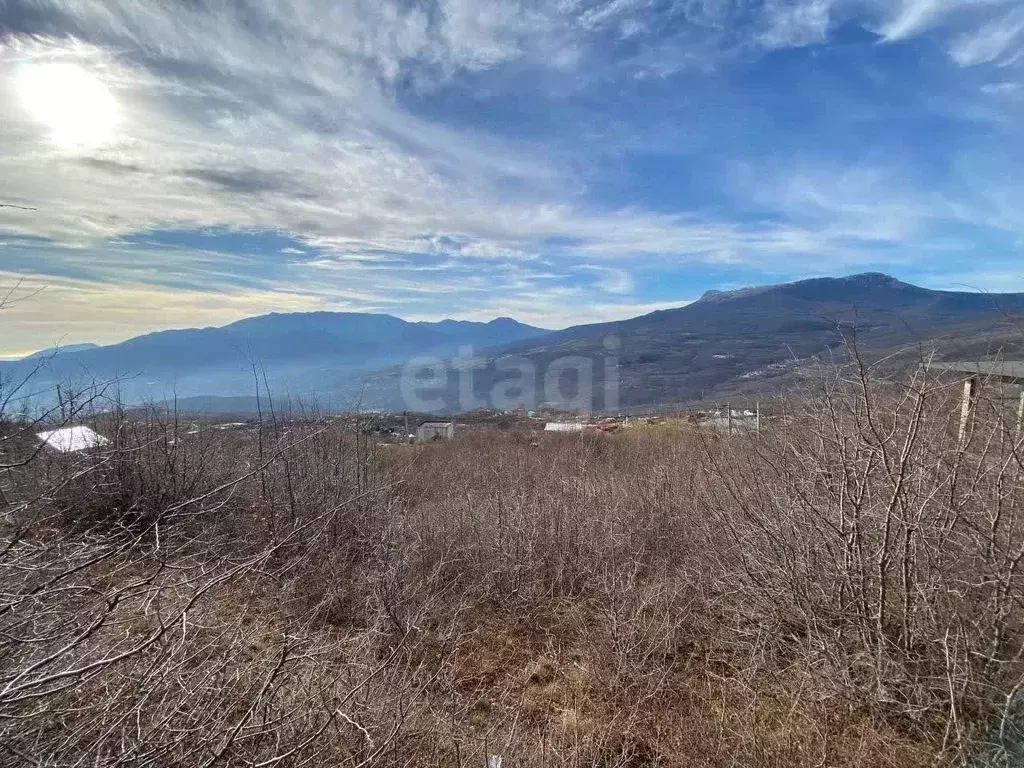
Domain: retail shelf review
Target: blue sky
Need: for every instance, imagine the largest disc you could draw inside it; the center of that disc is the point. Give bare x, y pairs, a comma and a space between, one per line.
560, 162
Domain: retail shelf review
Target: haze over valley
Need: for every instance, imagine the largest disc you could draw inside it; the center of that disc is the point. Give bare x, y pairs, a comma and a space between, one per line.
742, 342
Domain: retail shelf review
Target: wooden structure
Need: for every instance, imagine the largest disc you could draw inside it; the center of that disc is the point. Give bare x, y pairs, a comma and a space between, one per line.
435, 430
1006, 371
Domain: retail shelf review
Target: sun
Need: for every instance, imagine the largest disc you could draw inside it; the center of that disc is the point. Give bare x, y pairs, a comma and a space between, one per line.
72, 102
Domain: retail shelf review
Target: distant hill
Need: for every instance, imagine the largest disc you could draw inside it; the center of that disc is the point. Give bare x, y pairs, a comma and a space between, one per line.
744, 344
51, 351
751, 341
300, 354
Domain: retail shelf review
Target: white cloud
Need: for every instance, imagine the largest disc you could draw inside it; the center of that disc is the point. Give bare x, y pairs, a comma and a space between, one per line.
990, 42
193, 153
612, 280
973, 35
914, 16
792, 25
296, 118
981, 280
102, 312
1007, 90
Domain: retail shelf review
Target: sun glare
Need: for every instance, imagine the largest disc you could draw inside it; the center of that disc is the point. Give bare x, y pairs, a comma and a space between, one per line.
72, 102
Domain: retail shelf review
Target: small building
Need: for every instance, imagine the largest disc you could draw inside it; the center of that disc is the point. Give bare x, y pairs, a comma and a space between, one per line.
731, 420
565, 426
435, 430
72, 439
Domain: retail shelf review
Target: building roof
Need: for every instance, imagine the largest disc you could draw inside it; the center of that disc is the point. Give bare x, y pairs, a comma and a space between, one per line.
1004, 369
437, 424
72, 439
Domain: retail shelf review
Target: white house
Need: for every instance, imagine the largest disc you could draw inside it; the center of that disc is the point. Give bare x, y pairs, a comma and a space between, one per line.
72, 439
565, 426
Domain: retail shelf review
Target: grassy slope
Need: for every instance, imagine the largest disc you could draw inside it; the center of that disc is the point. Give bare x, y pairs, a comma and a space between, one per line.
822, 596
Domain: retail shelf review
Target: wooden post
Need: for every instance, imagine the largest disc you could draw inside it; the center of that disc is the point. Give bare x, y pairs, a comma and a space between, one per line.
728, 409
965, 406
757, 417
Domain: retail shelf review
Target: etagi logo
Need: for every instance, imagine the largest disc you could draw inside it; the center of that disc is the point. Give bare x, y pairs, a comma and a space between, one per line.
510, 382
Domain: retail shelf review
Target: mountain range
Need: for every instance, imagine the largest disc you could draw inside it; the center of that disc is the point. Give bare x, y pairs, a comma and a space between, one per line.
299, 354
728, 343
748, 341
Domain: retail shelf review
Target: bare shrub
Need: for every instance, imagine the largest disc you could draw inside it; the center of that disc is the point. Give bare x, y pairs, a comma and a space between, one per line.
841, 590
874, 540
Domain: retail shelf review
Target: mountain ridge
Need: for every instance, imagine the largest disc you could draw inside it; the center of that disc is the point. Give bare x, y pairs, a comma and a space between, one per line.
302, 352
748, 341
740, 340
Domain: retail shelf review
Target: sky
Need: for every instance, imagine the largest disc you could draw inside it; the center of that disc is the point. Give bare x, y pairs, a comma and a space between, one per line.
181, 164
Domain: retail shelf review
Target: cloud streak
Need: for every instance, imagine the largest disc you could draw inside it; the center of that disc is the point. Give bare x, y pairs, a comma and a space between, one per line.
453, 157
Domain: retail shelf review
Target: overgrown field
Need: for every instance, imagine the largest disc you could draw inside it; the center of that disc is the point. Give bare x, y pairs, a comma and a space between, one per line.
843, 590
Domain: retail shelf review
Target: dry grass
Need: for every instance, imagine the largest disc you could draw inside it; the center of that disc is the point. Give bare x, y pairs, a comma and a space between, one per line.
843, 591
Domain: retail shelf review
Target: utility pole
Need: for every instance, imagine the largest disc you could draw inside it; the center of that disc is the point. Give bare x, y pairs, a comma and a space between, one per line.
965, 406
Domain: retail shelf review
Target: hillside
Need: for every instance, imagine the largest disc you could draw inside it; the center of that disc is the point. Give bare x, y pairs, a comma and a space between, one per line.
744, 343
300, 353
750, 341
512, 593
61, 350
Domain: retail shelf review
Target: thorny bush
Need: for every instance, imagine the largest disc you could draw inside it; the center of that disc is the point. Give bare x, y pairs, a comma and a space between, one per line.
843, 589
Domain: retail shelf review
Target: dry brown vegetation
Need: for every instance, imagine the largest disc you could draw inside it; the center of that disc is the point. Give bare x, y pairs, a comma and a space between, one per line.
843, 590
